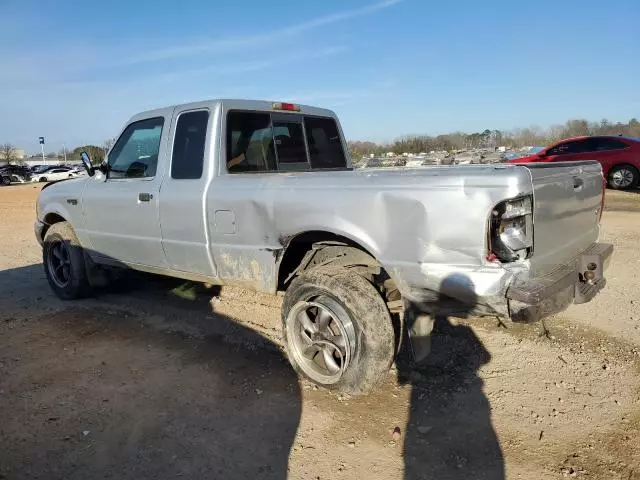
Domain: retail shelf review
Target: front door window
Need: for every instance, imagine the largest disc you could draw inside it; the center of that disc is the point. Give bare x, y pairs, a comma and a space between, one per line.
135, 154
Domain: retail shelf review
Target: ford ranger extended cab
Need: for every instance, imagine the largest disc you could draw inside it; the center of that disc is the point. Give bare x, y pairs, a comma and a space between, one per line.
262, 195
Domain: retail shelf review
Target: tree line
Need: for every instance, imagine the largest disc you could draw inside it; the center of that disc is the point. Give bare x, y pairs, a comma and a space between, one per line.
531, 136
8, 153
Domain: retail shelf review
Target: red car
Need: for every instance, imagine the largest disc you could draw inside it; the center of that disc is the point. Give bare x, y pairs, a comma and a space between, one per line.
619, 157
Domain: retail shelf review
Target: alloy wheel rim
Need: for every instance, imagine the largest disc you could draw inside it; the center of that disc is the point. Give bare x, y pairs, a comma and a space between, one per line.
59, 264
322, 339
623, 178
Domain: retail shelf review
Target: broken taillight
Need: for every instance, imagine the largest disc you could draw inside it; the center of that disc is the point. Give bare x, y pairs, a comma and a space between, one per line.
511, 230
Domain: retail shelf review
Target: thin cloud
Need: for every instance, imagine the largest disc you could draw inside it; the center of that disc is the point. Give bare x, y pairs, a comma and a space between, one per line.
259, 65
216, 46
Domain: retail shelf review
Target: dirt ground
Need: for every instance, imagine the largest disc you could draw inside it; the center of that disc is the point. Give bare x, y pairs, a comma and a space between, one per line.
157, 381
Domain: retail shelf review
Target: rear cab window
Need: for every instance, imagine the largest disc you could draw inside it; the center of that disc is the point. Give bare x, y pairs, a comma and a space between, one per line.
270, 142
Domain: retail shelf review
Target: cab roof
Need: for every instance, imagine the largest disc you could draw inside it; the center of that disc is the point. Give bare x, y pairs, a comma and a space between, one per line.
235, 104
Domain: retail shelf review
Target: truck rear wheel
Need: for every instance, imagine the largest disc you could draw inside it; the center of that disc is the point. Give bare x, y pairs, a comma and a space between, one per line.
338, 330
64, 262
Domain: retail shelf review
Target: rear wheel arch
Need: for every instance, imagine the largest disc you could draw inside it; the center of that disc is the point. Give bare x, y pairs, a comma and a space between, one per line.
325, 247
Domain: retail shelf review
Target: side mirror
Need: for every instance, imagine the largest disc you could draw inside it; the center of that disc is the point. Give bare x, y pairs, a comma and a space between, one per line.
86, 162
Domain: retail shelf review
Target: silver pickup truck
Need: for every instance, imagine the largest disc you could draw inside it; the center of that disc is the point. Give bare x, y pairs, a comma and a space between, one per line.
262, 195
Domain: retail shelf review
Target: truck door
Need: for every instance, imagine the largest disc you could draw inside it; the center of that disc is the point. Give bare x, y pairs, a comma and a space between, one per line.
182, 209
121, 212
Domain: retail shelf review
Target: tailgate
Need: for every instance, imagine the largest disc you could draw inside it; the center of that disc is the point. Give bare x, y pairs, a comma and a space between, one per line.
567, 202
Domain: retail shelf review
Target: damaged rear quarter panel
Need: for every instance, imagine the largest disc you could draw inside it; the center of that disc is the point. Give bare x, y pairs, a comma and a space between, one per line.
419, 224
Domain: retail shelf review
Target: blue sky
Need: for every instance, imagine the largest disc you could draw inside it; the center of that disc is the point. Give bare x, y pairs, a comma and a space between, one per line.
75, 71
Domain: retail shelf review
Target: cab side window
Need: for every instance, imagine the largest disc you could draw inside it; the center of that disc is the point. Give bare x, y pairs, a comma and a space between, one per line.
135, 154
187, 160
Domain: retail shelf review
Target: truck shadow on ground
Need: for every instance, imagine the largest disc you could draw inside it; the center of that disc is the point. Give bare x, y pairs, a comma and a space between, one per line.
449, 434
94, 393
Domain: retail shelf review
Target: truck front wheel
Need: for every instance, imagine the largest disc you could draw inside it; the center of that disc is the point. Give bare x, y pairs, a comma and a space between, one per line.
64, 262
338, 330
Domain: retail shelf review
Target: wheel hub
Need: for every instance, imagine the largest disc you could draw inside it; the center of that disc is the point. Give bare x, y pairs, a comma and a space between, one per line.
59, 263
322, 340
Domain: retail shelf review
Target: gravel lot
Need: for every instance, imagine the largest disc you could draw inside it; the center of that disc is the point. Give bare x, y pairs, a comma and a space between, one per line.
157, 380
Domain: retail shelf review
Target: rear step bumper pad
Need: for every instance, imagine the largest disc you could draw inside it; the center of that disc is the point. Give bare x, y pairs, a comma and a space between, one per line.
576, 282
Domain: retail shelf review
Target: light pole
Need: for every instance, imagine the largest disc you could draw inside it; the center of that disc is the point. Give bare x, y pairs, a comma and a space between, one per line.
41, 140
64, 150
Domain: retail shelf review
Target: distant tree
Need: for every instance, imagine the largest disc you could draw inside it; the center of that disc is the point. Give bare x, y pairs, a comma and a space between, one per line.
108, 144
51, 155
577, 128
96, 153
8, 153
529, 136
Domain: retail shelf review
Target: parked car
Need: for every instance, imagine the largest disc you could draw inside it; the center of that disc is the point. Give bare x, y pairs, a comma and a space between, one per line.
40, 168
5, 179
263, 196
16, 173
619, 157
54, 174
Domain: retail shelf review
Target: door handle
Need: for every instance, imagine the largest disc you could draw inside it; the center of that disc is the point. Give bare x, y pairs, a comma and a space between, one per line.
145, 197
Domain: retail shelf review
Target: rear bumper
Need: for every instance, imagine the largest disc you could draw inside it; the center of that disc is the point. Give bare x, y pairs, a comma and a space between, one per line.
576, 282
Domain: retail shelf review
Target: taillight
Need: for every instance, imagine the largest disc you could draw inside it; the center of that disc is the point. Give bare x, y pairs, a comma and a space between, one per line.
511, 230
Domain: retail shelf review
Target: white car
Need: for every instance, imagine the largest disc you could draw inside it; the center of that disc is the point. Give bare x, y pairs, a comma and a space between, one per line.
54, 174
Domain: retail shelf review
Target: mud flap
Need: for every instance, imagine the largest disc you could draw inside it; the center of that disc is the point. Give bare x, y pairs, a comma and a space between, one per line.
419, 327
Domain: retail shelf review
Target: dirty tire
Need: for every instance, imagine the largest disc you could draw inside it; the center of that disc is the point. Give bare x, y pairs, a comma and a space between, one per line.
77, 284
623, 177
374, 346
